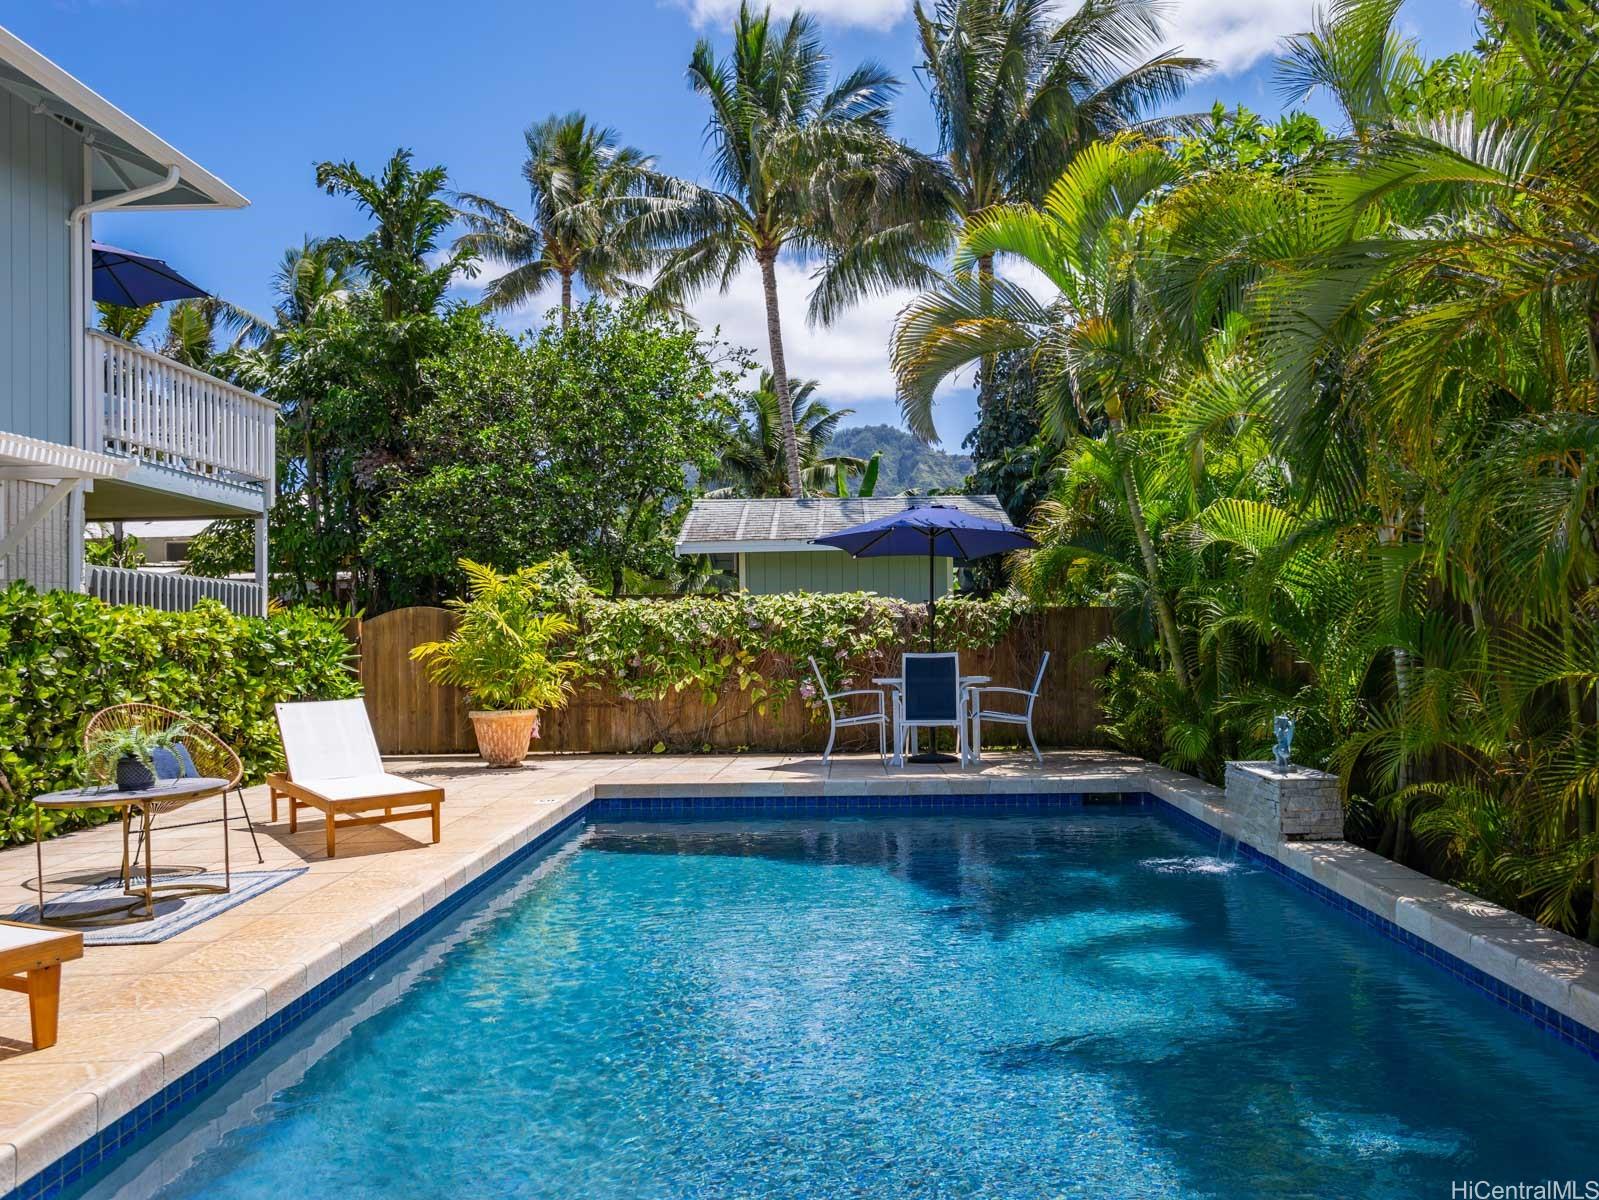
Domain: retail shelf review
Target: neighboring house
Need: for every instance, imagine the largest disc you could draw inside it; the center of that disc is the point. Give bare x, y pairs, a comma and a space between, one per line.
164, 544
767, 544
93, 428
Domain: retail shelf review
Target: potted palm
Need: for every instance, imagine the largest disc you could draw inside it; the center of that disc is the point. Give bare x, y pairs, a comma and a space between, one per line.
500, 655
127, 755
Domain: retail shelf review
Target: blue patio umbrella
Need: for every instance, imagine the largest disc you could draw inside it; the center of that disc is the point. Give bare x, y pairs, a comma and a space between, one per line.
133, 280
936, 530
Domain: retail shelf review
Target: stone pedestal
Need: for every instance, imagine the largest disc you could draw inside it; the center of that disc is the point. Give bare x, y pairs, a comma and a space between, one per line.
1297, 804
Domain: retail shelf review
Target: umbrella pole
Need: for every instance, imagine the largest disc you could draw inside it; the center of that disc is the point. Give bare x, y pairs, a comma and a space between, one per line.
931, 598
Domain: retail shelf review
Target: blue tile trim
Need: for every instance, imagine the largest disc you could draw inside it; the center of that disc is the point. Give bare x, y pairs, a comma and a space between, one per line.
168, 1105
976, 803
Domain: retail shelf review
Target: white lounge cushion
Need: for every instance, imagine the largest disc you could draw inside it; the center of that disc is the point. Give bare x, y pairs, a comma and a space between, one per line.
17, 937
379, 785
328, 739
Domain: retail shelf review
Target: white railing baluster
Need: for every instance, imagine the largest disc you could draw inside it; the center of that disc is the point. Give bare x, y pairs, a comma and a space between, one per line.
163, 412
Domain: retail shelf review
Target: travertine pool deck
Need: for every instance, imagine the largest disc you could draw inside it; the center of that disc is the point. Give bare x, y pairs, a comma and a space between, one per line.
135, 1019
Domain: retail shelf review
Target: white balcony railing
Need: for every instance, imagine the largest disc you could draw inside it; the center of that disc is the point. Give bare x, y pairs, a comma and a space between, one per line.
174, 416
174, 593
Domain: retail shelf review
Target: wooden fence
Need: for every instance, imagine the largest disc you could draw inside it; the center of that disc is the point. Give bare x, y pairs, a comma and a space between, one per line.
410, 715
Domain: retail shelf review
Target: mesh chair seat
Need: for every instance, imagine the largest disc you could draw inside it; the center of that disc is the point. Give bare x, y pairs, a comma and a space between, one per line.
211, 755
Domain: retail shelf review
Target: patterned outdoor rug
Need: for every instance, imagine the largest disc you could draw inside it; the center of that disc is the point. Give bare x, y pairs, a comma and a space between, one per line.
173, 914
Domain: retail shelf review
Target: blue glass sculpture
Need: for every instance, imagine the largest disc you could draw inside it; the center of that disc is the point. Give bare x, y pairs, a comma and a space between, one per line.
1284, 727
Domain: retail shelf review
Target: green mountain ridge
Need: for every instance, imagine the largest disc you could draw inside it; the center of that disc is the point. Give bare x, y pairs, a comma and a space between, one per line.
908, 465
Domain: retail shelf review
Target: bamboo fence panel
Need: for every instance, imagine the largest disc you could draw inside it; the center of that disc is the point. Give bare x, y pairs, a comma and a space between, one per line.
411, 715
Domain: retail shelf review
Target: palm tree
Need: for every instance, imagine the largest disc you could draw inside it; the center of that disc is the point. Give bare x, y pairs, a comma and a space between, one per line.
789, 154
125, 321
1094, 349
309, 275
1017, 94
410, 215
579, 180
753, 462
195, 329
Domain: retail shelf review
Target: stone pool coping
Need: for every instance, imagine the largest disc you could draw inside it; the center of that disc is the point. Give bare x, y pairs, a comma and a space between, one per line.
1543, 975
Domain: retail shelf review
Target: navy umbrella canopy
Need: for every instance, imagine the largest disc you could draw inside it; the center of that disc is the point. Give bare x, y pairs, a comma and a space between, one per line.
936, 530
134, 280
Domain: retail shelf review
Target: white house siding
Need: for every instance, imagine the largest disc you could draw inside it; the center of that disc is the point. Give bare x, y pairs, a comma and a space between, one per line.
41, 180
829, 571
44, 557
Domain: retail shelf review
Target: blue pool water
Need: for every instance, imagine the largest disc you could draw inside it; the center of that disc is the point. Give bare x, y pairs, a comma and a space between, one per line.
1086, 1003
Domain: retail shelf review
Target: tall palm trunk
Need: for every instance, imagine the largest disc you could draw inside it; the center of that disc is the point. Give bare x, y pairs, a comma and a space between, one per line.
785, 403
1164, 617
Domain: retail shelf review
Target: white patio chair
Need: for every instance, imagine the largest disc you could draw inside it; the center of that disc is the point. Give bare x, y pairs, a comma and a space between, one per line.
334, 767
979, 714
929, 697
849, 721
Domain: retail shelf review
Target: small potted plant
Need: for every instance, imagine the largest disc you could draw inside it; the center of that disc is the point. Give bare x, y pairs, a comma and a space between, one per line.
500, 655
126, 755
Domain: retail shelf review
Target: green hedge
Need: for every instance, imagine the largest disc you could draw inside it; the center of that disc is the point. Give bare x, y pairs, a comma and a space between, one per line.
650, 648
64, 656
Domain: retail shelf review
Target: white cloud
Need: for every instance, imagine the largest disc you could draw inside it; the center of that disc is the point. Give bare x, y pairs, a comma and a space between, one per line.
1234, 34
850, 357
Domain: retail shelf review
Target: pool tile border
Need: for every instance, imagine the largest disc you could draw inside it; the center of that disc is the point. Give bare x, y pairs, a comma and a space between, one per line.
1189, 802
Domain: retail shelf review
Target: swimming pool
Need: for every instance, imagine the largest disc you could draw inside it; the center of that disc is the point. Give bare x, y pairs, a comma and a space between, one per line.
1084, 1002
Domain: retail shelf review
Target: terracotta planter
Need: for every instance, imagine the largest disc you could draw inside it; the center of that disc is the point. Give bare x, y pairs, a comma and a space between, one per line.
503, 737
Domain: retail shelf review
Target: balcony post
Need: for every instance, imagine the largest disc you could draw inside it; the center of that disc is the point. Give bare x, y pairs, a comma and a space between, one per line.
262, 575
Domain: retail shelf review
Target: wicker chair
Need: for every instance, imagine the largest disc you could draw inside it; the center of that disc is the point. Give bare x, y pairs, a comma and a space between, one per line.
212, 756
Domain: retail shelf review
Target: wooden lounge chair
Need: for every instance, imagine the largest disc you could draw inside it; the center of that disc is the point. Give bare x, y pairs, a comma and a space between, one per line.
30, 963
335, 768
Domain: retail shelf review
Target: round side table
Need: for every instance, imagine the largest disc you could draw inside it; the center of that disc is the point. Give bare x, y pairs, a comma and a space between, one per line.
148, 802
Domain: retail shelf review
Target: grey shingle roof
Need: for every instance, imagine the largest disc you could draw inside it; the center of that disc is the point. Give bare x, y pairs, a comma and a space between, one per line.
751, 526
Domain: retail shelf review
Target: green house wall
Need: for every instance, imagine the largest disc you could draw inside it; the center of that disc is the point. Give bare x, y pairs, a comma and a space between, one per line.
833, 571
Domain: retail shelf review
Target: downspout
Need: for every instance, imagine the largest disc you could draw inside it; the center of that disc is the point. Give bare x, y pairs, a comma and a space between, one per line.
79, 291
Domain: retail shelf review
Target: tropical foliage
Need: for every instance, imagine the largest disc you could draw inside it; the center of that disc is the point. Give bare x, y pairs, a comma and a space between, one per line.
1324, 418
581, 437
649, 649
1017, 93
502, 652
222, 548
580, 181
752, 462
64, 656
797, 161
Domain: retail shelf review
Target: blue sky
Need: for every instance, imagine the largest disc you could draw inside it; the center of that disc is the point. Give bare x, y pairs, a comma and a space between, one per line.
258, 92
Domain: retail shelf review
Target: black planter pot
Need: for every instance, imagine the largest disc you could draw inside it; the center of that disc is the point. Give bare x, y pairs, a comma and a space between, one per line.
133, 774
